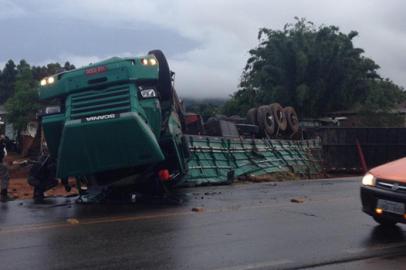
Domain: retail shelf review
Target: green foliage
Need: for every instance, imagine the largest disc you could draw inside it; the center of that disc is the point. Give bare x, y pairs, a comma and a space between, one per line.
378, 108
40, 72
206, 108
380, 119
7, 81
382, 95
240, 102
315, 69
22, 106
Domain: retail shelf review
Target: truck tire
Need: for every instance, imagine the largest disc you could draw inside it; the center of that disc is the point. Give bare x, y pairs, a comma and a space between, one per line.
292, 119
266, 121
279, 116
164, 85
252, 116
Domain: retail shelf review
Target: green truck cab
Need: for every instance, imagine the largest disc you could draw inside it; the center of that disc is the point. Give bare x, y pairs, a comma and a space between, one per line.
117, 119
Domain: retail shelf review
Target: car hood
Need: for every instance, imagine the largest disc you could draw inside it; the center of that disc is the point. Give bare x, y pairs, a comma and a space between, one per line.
395, 170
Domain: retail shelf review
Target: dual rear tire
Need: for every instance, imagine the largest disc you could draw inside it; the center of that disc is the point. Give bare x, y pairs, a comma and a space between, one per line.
273, 119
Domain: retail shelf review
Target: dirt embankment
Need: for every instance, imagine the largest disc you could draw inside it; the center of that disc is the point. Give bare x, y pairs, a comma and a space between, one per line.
19, 188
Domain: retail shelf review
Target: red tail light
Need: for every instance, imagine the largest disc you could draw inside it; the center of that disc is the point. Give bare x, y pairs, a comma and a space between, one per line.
164, 175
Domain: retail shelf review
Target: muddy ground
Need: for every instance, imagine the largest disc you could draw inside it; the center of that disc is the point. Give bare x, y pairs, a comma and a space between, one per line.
21, 190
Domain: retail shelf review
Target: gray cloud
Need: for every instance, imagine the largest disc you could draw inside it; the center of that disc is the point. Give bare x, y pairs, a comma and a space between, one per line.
9, 9
206, 41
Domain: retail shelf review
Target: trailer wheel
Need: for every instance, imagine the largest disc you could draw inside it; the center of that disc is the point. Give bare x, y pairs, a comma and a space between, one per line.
266, 120
164, 86
252, 116
292, 119
279, 116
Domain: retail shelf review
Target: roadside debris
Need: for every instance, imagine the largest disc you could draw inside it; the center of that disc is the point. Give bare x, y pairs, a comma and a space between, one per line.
72, 221
197, 209
212, 193
297, 200
270, 177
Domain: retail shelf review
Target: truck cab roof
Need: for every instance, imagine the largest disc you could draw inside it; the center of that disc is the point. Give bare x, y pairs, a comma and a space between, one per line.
115, 70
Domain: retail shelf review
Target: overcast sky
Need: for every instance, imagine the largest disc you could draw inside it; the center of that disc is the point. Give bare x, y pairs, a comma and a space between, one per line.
206, 41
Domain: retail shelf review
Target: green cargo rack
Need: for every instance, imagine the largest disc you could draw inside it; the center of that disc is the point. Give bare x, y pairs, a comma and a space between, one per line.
220, 160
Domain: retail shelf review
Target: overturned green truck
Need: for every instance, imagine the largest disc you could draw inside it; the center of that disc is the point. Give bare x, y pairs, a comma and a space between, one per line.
118, 128
119, 119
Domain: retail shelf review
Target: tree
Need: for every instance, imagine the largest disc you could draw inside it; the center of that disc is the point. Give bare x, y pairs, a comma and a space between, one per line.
68, 66
23, 105
7, 81
377, 109
205, 107
315, 69
40, 72
206, 110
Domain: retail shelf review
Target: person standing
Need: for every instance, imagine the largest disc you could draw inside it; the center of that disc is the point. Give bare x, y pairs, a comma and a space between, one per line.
4, 176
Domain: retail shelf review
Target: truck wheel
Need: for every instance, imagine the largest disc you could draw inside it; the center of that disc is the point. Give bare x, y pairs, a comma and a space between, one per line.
266, 120
385, 222
252, 116
164, 85
292, 119
280, 119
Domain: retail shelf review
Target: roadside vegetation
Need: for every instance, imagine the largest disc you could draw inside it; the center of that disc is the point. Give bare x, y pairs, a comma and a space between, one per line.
315, 69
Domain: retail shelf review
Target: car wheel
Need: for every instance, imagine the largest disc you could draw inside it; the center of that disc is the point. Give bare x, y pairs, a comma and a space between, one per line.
385, 222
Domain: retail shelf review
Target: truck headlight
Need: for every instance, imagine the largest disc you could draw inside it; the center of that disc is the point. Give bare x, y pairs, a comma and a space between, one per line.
153, 61
149, 61
47, 81
52, 109
369, 180
50, 80
148, 93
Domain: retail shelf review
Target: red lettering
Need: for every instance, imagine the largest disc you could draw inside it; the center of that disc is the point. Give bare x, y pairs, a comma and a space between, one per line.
95, 70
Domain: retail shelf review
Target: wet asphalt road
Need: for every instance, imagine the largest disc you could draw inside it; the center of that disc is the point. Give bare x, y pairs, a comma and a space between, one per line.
244, 226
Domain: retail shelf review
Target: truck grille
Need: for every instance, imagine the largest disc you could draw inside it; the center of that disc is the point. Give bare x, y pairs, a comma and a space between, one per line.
100, 102
393, 186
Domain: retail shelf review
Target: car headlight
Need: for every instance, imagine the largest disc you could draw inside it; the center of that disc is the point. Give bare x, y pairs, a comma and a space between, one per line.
369, 180
148, 93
